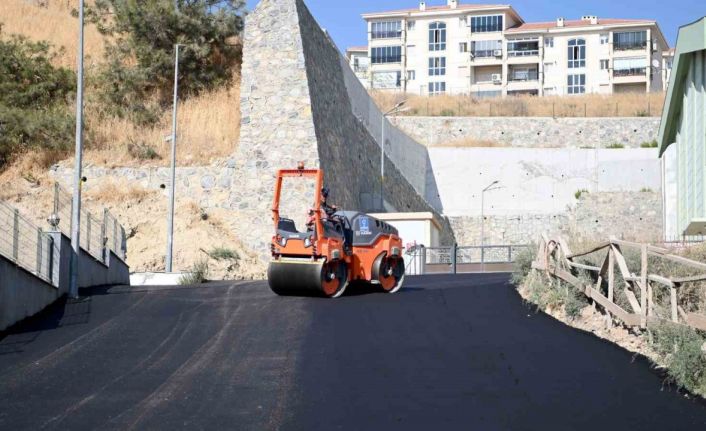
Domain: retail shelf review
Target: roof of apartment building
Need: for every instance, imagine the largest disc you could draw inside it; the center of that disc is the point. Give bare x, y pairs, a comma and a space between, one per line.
443, 8
357, 49
543, 26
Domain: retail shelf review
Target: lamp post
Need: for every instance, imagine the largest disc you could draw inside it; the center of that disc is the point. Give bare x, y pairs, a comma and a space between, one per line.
397, 109
78, 165
172, 186
492, 186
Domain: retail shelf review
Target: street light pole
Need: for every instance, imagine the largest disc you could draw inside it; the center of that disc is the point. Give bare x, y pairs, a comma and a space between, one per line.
172, 187
78, 165
394, 110
482, 222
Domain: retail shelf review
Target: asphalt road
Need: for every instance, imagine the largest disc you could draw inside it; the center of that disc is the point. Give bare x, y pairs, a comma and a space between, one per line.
446, 352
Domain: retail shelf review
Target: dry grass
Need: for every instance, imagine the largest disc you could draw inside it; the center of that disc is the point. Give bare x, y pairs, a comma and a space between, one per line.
590, 105
112, 192
471, 143
209, 125
54, 23
209, 128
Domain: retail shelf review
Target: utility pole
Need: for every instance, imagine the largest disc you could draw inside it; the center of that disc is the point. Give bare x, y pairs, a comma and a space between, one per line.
172, 186
76, 207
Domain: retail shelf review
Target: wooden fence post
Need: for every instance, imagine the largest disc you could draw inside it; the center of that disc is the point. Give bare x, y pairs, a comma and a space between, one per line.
643, 287
673, 300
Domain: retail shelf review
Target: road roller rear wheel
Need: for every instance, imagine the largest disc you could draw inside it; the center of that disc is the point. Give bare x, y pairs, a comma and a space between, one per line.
389, 272
289, 277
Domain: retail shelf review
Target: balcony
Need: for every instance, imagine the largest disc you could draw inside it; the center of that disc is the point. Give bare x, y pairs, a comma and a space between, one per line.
391, 34
631, 46
636, 71
487, 54
523, 53
524, 77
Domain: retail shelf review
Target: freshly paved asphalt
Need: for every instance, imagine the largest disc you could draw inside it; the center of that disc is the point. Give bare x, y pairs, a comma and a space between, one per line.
446, 352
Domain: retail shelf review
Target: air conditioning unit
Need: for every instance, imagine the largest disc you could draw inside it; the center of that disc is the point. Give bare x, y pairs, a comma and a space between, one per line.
497, 78
498, 53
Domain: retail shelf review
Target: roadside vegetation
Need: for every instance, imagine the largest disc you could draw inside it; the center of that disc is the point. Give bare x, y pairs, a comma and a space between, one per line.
590, 105
129, 79
679, 349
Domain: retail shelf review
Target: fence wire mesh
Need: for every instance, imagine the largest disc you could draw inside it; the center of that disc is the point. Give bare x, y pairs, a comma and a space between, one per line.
98, 231
24, 243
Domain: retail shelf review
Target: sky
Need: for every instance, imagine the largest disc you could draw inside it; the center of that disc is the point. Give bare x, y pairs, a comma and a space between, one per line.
342, 17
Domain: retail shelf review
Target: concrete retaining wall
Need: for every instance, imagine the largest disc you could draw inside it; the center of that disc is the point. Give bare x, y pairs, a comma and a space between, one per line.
533, 132
633, 216
22, 294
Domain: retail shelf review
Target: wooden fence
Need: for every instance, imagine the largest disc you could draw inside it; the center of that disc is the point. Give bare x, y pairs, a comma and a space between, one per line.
556, 259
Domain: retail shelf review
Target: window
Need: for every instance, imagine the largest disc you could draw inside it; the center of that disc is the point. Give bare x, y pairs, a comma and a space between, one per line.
437, 88
577, 53
630, 66
605, 64
437, 36
522, 48
463, 47
486, 24
523, 74
486, 48
486, 94
387, 80
411, 25
386, 30
437, 66
549, 42
604, 39
629, 40
411, 75
576, 84
386, 54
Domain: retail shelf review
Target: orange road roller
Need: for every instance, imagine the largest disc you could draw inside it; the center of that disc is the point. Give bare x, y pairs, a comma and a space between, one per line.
336, 248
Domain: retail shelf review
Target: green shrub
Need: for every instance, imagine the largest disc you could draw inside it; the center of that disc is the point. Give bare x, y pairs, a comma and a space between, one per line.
197, 275
580, 193
681, 347
223, 253
447, 113
34, 99
651, 144
642, 113
142, 151
646, 190
137, 78
615, 146
523, 264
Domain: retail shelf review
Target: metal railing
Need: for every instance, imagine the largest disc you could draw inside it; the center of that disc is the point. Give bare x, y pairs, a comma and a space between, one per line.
635, 71
523, 53
434, 260
629, 46
24, 243
99, 231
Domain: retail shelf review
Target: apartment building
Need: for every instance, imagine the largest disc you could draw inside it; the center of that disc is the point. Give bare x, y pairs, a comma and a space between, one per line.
490, 51
359, 60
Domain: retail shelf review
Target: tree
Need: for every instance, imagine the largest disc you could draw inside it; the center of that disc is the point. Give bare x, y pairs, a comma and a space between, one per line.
137, 78
34, 98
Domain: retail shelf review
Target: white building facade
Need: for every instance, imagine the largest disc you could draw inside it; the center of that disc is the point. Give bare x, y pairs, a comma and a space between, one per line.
489, 51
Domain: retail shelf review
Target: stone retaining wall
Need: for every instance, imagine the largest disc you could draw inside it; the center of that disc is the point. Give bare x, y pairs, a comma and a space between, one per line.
633, 216
531, 132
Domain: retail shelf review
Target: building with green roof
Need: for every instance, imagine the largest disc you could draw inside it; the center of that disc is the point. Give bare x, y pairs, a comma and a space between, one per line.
684, 127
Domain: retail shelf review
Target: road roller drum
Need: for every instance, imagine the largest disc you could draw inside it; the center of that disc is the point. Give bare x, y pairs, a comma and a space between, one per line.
336, 248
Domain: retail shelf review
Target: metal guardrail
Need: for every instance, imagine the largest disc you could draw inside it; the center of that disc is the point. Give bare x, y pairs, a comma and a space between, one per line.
433, 260
24, 243
98, 232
